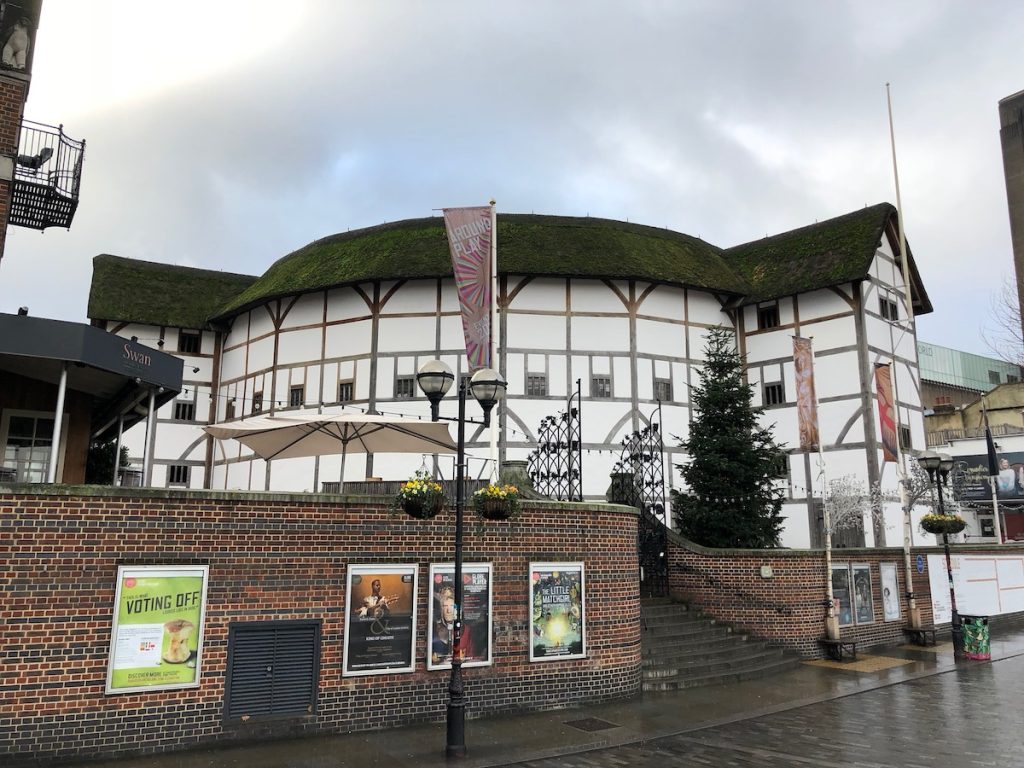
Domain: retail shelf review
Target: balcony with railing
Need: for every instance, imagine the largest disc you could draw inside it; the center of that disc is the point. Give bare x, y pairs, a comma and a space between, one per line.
947, 436
47, 175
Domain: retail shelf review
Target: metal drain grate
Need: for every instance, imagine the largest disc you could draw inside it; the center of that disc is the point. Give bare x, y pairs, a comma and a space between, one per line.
592, 724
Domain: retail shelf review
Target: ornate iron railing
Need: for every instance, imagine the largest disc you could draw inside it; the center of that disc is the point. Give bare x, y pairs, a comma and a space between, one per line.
47, 176
556, 466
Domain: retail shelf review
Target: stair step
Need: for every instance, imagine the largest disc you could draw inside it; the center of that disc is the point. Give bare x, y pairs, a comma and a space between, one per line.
707, 668
733, 676
688, 656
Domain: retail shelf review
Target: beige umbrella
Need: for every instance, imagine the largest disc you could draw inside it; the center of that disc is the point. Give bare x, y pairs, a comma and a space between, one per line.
289, 437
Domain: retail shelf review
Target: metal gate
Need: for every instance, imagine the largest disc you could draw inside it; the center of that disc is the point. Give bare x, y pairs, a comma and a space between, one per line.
556, 467
640, 475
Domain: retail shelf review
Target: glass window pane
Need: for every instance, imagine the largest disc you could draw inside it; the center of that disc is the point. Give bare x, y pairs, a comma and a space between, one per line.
841, 593
862, 594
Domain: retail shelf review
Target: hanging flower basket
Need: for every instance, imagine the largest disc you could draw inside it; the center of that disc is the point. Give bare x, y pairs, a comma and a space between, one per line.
940, 524
420, 497
497, 502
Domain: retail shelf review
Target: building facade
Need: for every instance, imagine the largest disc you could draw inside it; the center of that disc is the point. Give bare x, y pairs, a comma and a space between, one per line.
618, 310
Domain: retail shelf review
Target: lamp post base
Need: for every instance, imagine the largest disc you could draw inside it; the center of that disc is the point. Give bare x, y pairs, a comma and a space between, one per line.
957, 632
456, 746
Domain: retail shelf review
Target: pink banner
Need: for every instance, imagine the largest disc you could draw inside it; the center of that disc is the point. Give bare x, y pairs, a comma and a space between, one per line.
469, 239
886, 412
806, 401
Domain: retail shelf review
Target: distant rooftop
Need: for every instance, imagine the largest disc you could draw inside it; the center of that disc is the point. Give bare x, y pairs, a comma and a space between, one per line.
943, 365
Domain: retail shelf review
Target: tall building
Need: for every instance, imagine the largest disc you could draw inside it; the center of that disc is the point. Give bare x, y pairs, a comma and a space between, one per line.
1011, 136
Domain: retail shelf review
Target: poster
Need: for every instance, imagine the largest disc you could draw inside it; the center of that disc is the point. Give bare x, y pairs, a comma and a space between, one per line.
970, 478
886, 412
156, 642
557, 612
841, 594
380, 619
890, 591
862, 599
476, 615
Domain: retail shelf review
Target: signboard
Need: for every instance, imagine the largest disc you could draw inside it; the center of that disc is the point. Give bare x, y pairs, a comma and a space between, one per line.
890, 591
862, 599
975, 485
476, 615
557, 612
380, 619
841, 594
156, 642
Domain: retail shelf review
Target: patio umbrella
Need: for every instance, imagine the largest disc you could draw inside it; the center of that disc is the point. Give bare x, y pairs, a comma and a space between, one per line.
289, 437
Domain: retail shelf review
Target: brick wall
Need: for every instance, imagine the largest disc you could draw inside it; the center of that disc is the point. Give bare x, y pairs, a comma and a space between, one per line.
788, 608
279, 557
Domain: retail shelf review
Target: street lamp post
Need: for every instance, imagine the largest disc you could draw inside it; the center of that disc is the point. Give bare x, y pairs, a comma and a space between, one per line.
487, 387
938, 465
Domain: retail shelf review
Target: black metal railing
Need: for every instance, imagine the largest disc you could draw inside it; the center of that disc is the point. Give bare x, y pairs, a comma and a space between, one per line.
945, 436
556, 466
47, 177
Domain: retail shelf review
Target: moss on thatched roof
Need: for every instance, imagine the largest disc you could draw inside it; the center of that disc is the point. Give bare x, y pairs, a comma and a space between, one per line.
821, 255
127, 290
527, 245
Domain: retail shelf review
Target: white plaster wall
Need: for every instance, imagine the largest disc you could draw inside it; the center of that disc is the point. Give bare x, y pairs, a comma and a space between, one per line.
545, 294
600, 333
662, 337
535, 331
348, 339
664, 301
400, 334
704, 308
298, 346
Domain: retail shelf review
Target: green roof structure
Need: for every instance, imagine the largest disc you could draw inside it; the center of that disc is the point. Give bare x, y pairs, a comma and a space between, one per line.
127, 290
822, 255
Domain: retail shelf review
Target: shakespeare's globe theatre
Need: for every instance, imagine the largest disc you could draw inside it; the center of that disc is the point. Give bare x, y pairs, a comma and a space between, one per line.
618, 310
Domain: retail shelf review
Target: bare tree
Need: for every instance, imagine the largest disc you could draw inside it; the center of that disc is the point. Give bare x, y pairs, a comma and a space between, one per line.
848, 502
1004, 335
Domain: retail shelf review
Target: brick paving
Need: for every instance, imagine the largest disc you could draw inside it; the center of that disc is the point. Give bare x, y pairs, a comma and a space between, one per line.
972, 716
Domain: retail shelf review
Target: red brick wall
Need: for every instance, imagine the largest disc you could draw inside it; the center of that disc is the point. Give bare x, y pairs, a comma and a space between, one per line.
279, 557
789, 607
13, 92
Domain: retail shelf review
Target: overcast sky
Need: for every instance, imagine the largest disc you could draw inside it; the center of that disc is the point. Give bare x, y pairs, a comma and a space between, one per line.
232, 136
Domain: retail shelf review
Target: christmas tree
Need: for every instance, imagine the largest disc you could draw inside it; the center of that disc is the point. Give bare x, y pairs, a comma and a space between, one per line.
731, 499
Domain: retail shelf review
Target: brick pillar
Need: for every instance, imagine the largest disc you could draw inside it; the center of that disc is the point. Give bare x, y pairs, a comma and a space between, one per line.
13, 93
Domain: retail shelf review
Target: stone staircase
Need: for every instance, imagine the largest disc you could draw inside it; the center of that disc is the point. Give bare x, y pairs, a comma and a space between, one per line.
683, 649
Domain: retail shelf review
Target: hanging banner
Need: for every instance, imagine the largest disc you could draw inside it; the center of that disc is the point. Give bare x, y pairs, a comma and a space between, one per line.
469, 240
157, 638
476, 615
557, 612
380, 619
806, 400
886, 412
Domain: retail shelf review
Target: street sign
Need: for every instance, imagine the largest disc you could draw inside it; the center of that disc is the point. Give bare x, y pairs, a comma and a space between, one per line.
920, 563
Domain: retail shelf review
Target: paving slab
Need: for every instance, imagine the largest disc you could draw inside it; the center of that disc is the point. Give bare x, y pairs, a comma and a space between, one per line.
510, 739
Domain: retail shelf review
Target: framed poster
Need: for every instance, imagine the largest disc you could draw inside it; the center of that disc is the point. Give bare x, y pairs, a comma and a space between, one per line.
380, 619
890, 591
841, 594
156, 641
557, 612
862, 599
476, 615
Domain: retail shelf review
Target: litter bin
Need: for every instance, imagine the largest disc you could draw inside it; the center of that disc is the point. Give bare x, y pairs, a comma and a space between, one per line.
977, 644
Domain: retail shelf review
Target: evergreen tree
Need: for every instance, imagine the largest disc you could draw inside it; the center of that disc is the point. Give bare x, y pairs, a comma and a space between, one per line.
99, 462
731, 498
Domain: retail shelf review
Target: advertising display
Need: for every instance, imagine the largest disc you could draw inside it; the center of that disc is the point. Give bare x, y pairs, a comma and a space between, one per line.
862, 598
476, 615
974, 485
156, 642
890, 591
841, 594
380, 619
557, 612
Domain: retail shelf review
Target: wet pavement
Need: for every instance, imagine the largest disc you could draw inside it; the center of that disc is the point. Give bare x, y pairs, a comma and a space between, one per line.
896, 706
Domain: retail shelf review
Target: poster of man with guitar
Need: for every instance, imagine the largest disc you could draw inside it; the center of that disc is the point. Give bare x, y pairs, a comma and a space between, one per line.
380, 619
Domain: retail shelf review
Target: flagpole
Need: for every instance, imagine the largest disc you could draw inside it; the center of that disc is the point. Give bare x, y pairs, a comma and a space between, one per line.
494, 332
908, 530
993, 471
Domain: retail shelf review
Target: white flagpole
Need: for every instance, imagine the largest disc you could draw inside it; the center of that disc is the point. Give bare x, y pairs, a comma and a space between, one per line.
991, 479
908, 530
494, 334
832, 622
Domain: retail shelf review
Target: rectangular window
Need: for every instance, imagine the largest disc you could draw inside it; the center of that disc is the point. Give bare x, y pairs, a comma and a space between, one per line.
780, 468
405, 386
768, 317
177, 474
905, 438
944, 400
993, 377
27, 449
346, 389
257, 402
774, 394
189, 342
1011, 379
296, 396
888, 308
600, 387
663, 390
184, 411
536, 385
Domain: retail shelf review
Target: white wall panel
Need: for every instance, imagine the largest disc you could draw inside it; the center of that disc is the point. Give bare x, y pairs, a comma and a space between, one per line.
704, 308
664, 301
298, 346
346, 303
660, 338
349, 339
830, 334
536, 332
404, 334
621, 377
600, 333
769, 345
543, 293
